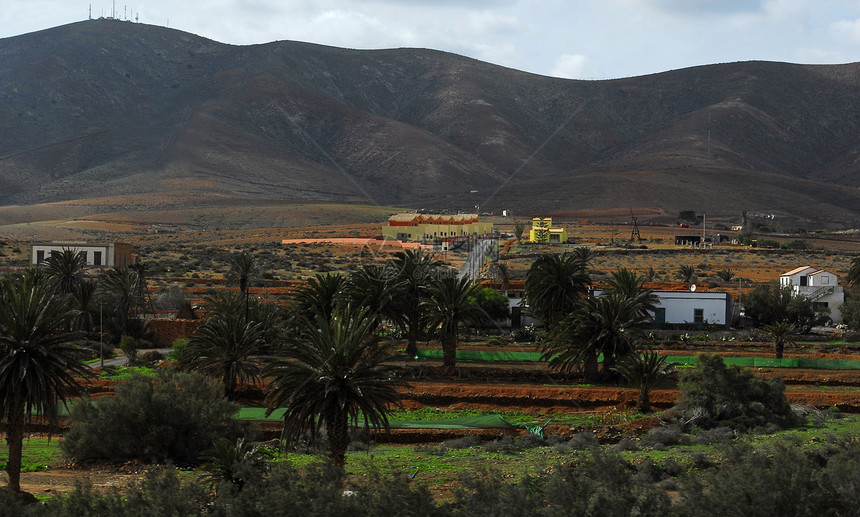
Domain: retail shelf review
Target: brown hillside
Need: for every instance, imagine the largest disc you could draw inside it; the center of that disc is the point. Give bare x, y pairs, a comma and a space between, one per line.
105, 108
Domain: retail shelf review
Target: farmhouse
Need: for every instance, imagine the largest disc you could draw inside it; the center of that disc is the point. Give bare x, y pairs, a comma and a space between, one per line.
434, 228
543, 232
111, 254
819, 286
685, 307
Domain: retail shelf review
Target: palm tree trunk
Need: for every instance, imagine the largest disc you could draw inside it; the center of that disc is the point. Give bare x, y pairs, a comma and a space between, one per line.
449, 348
589, 367
644, 401
412, 342
779, 349
337, 429
15, 440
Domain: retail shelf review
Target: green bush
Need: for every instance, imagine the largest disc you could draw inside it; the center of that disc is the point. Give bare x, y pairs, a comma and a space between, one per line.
173, 417
179, 344
713, 394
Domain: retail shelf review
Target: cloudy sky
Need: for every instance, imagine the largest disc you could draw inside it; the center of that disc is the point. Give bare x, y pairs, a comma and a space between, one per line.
581, 39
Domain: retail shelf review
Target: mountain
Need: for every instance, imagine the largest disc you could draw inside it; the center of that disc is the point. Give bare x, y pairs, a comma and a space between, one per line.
106, 108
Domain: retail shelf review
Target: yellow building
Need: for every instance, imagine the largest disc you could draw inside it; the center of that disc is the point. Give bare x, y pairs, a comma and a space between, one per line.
542, 232
433, 228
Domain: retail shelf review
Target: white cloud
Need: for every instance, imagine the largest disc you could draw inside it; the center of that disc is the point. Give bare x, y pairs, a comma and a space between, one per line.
846, 29
573, 66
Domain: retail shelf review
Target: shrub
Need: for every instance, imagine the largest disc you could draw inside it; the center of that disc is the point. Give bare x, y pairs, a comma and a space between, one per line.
595, 484
715, 435
150, 358
583, 440
663, 436
179, 344
713, 394
504, 444
172, 417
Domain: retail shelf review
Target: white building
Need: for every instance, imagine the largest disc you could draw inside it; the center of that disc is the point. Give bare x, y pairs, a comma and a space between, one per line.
111, 254
819, 286
690, 308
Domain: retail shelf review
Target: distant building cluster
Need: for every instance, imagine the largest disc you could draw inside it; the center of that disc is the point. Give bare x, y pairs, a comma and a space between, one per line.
434, 228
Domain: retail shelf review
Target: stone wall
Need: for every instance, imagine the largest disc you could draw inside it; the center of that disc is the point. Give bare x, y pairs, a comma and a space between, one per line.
168, 330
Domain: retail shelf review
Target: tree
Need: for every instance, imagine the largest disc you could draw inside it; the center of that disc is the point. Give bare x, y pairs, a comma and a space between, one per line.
450, 302
118, 287
850, 310
319, 296
38, 361
726, 275
597, 326
853, 277
686, 274
519, 228
243, 267
499, 273
554, 284
630, 285
174, 416
232, 462
713, 394
645, 371
139, 336
375, 288
770, 303
782, 333
492, 306
65, 269
415, 269
226, 347
331, 376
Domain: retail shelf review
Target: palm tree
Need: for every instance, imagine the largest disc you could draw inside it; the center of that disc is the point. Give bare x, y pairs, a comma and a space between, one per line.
375, 288
853, 277
118, 287
554, 284
449, 304
319, 296
632, 286
603, 325
726, 275
242, 269
38, 361
646, 371
332, 375
686, 274
782, 333
499, 273
227, 347
232, 462
65, 270
414, 269
83, 299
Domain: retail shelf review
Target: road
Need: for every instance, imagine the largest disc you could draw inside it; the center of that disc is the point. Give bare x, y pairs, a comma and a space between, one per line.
477, 256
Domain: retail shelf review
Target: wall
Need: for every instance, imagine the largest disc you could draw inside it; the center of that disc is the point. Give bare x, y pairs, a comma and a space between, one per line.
166, 331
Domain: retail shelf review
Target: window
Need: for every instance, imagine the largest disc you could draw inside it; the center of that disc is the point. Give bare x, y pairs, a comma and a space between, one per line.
40, 256
803, 281
825, 279
698, 315
97, 258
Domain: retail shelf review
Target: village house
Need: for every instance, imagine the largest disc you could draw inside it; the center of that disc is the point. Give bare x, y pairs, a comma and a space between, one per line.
819, 286
111, 254
543, 232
